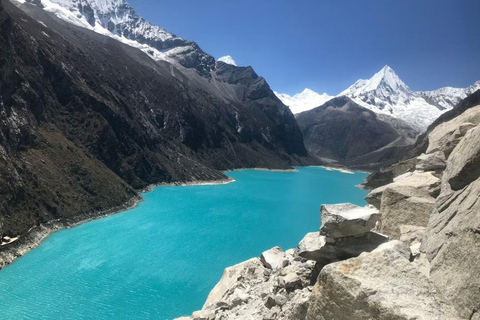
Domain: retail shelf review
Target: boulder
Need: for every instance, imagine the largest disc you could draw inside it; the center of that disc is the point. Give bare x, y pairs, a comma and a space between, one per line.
310, 246
346, 248
464, 161
446, 135
203, 315
422, 181
252, 269
431, 162
452, 245
381, 285
274, 258
411, 234
401, 205
346, 219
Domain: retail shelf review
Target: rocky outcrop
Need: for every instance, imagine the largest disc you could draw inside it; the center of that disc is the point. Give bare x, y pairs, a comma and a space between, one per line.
431, 162
382, 284
346, 220
424, 182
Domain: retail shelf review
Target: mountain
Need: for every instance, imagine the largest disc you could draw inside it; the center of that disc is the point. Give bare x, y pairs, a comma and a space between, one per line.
227, 60
341, 132
86, 122
386, 94
118, 20
306, 100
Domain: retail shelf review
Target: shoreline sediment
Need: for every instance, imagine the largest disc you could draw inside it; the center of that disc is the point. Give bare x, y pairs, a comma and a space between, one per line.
37, 234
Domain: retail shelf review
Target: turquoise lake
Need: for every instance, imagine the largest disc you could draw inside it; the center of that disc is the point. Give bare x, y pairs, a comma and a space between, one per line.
161, 259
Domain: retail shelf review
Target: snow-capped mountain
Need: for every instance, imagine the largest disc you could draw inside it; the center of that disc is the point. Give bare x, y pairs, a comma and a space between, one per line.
446, 98
303, 101
117, 19
228, 60
386, 94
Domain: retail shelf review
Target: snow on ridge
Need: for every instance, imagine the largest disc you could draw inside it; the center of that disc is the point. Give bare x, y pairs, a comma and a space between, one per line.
228, 60
303, 101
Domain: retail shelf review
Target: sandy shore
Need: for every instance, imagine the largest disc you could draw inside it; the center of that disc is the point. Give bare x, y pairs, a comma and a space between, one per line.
9, 252
342, 170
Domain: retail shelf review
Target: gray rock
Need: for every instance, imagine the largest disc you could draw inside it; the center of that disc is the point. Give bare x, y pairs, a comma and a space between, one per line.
381, 285
464, 161
310, 246
446, 135
274, 258
452, 245
431, 162
404, 205
346, 219
411, 234
422, 181
203, 315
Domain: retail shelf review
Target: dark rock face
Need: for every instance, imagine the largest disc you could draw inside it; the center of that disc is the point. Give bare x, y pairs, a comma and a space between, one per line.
341, 132
86, 121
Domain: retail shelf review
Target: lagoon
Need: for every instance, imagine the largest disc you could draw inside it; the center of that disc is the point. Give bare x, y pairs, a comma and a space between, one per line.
160, 259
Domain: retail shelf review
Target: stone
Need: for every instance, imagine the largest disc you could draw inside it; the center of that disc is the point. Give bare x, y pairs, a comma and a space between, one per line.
346, 219
446, 135
203, 315
274, 258
452, 245
401, 205
431, 162
411, 234
464, 161
252, 269
382, 285
422, 181
311, 245
346, 248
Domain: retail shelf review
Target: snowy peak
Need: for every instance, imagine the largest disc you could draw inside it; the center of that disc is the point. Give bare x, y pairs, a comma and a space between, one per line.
118, 20
228, 60
306, 100
384, 89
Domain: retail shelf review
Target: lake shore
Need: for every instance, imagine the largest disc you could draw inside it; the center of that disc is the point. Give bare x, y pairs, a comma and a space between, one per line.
13, 250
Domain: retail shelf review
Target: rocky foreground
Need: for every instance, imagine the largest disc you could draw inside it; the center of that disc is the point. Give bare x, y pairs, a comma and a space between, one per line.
412, 253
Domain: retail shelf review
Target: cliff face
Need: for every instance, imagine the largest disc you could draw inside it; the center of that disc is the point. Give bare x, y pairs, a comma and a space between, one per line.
86, 121
420, 261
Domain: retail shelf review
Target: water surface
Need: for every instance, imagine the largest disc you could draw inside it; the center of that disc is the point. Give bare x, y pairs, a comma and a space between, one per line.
161, 259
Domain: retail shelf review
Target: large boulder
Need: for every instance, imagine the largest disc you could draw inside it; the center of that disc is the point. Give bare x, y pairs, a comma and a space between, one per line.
403, 205
431, 161
464, 161
311, 245
252, 269
452, 245
446, 135
274, 258
381, 285
346, 219
422, 181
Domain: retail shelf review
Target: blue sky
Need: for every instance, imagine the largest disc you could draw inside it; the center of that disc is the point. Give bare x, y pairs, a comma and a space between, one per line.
327, 45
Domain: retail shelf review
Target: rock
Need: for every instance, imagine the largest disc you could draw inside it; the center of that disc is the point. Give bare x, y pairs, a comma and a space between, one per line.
446, 135
431, 162
291, 281
401, 205
274, 258
411, 234
203, 315
346, 248
464, 161
382, 285
346, 219
452, 245
250, 270
310, 245
422, 181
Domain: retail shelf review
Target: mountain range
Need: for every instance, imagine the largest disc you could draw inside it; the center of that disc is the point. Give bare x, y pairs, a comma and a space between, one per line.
386, 94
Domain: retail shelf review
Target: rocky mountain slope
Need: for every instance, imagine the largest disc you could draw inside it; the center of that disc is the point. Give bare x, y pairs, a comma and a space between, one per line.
412, 253
341, 132
87, 121
386, 94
